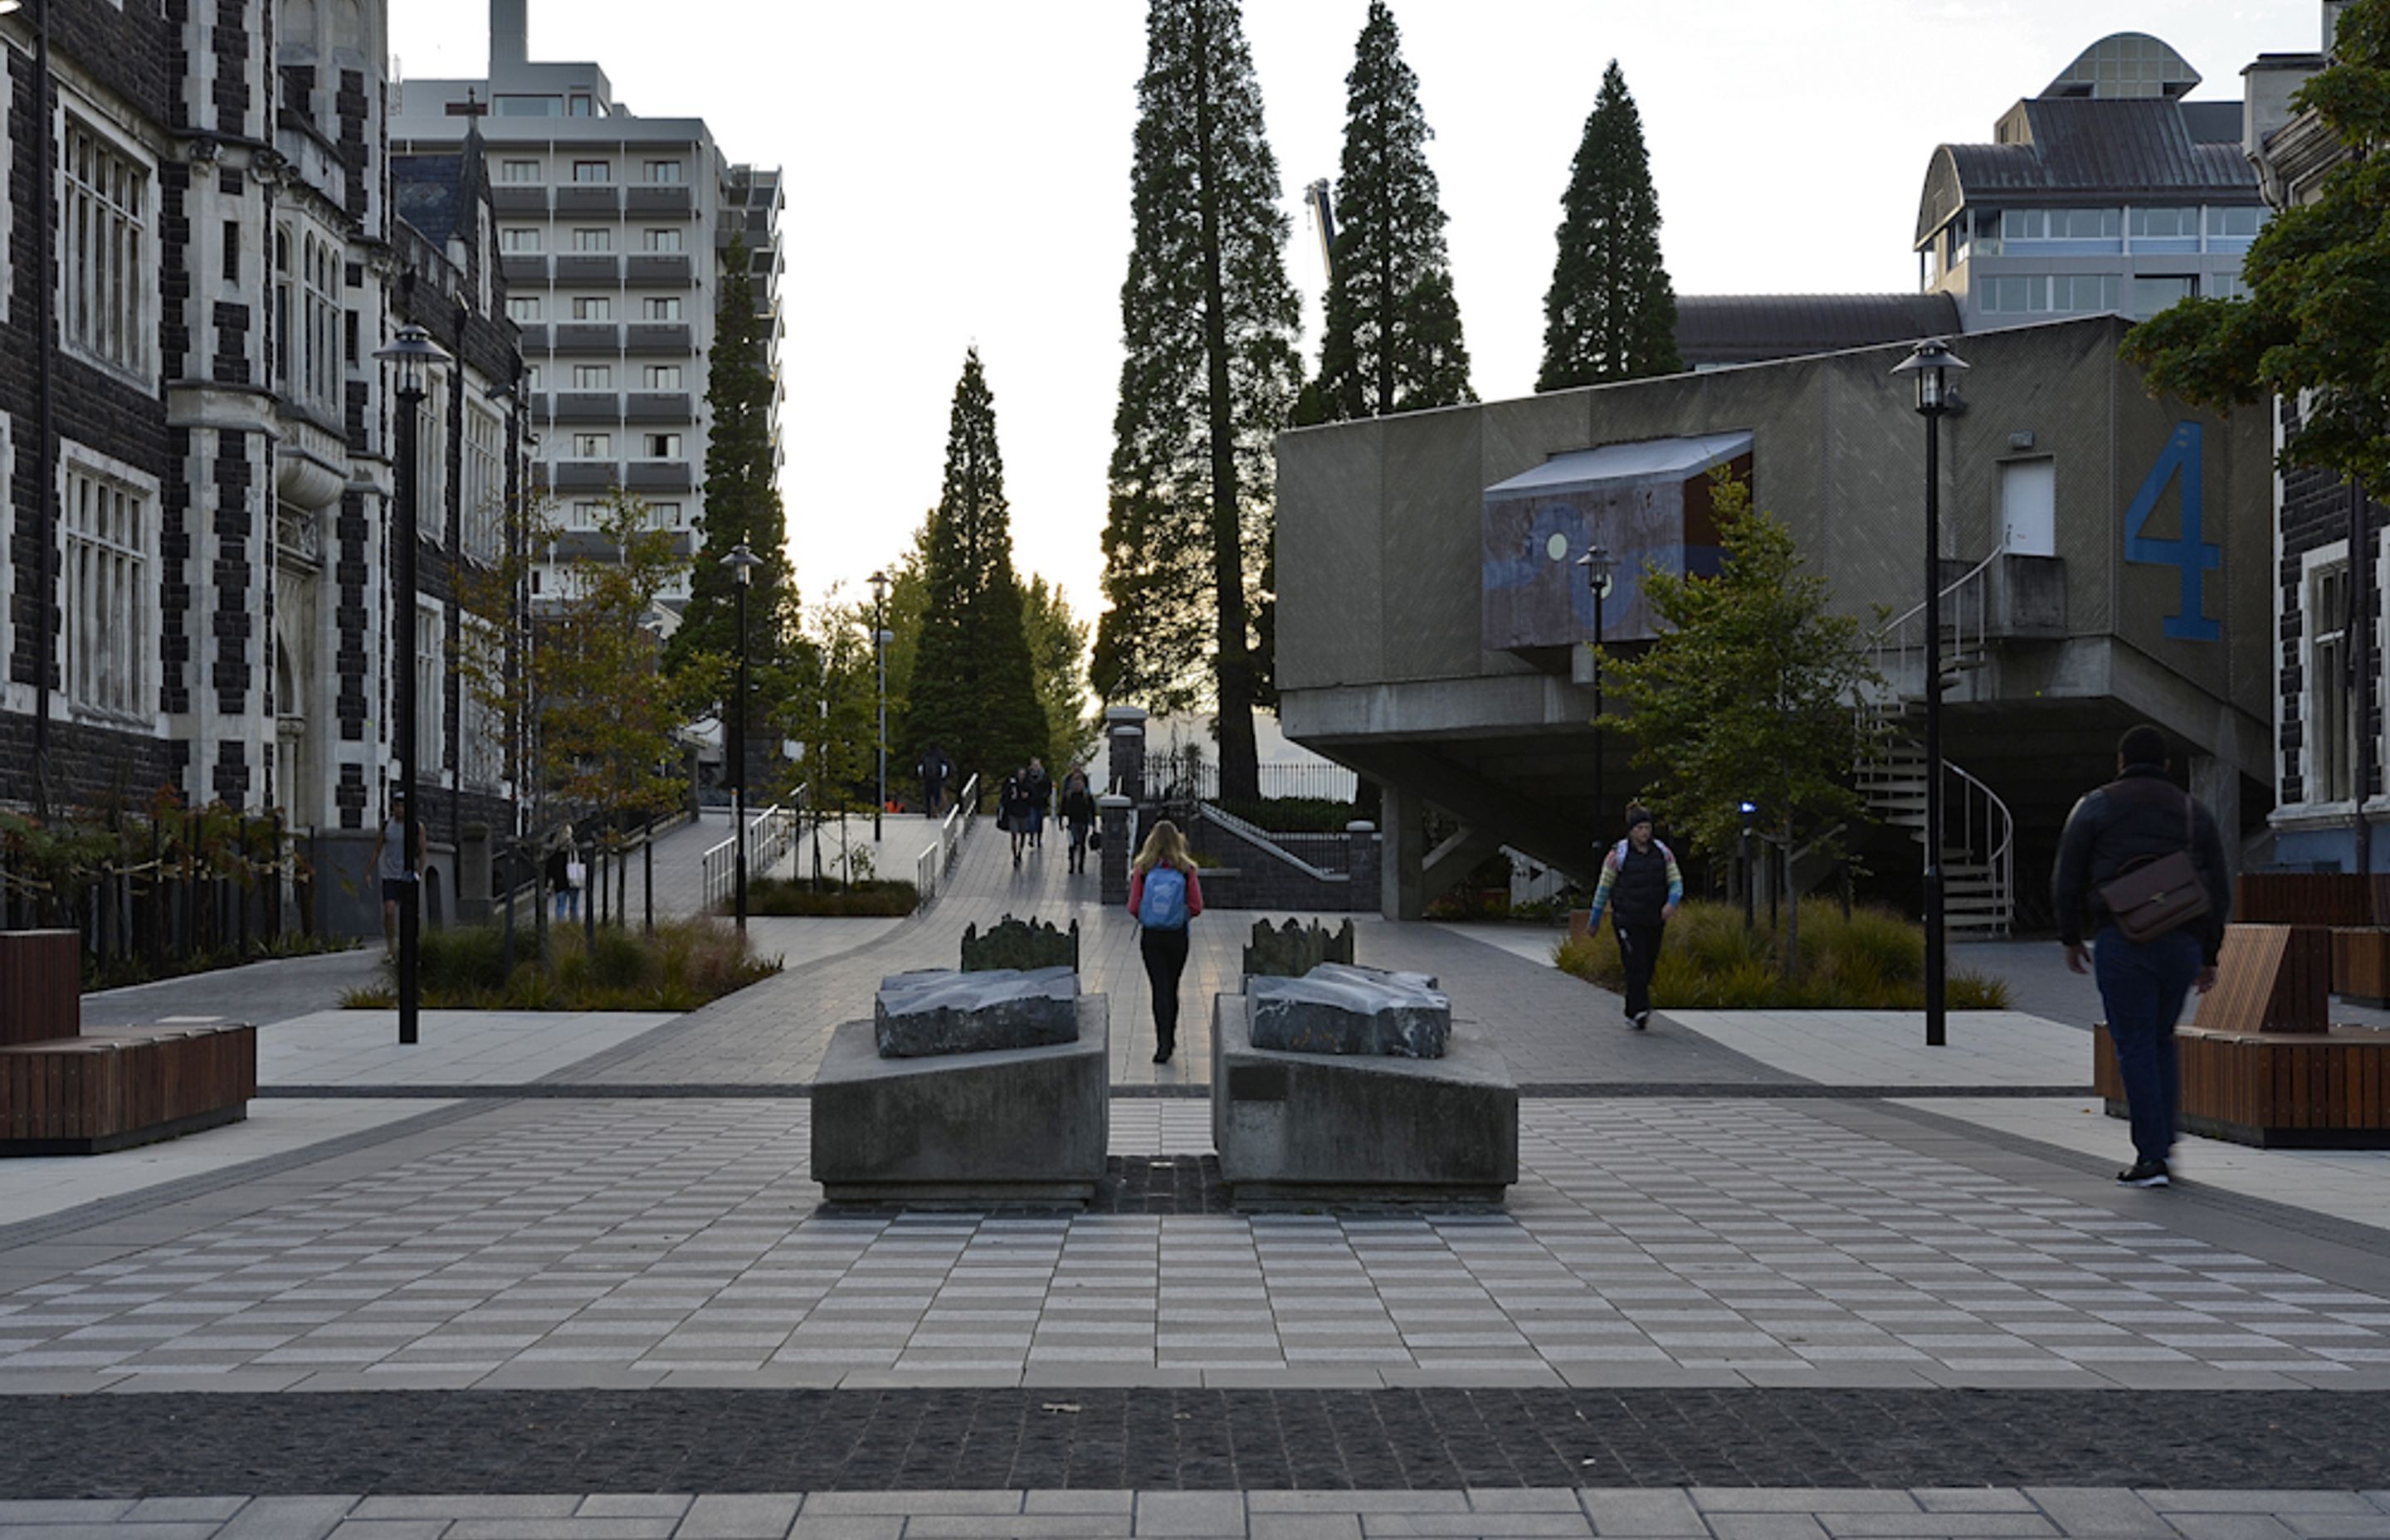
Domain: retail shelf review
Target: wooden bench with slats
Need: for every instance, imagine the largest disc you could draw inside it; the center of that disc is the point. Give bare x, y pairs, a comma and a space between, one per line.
2325, 1090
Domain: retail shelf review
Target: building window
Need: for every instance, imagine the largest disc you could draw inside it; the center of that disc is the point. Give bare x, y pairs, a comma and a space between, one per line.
104, 258
593, 308
665, 307
587, 172
519, 172
482, 725
2039, 293
667, 516
593, 377
430, 686
519, 239
486, 483
522, 307
107, 593
2330, 742
2225, 285
666, 240
2235, 224
662, 376
2060, 224
594, 243
593, 446
2152, 295
534, 377
588, 515
2165, 223
663, 446
664, 174
582, 107
531, 106
431, 461
307, 319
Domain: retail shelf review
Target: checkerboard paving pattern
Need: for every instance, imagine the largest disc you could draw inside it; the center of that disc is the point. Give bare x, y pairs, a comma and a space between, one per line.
1651, 1241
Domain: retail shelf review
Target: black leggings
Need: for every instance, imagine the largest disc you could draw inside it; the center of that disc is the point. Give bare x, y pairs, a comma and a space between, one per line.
1165, 959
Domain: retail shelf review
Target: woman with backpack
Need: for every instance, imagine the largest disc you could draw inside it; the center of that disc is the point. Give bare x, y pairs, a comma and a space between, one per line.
1163, 895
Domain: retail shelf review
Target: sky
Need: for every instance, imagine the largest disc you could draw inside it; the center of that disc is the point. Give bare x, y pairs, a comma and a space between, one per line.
958, 175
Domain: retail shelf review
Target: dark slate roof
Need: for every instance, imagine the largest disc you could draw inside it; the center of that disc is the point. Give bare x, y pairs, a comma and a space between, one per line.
429, 192
1752, 328
2082, 150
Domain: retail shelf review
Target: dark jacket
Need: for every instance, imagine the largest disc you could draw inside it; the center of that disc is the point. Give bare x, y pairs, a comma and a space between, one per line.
1079, 805
2137, 818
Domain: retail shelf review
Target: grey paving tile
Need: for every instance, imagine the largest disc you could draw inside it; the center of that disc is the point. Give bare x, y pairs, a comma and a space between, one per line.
736, 1515
1304, 1526
1065, 1500
286, 1518
154, 1510
910, 1502
1191, 1513
1659, 1515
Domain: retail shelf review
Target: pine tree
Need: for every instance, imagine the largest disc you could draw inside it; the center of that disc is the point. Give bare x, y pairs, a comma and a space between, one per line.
1208, 319
1392, 336
1058, 653
742, 499
1610, 312
972, 687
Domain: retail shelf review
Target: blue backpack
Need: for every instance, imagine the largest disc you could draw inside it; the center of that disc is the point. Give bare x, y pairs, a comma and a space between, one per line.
1162, 906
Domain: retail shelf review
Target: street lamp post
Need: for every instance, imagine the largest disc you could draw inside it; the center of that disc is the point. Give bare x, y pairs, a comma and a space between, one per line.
879, 666
45, 612
1934, 364
1600, 568
743, 563
416, 356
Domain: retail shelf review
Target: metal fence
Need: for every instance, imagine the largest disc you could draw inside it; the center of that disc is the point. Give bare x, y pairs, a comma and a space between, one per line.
771, 835
929, 867
1183, 776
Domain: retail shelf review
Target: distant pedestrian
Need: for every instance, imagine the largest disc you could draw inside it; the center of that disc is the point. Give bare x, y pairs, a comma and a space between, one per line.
1163, 894
934, 769
1041, 801
2134, 821
563, 871
400, 878
1078, 816
1640, 887
1012, 810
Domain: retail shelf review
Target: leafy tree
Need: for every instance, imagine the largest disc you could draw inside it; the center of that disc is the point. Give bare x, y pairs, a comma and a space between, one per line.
742, 503
908, 601
1392, 325
1749, 691
1610, 312
1058, 654
971, 686
831, 716
2315, 327
1208, 319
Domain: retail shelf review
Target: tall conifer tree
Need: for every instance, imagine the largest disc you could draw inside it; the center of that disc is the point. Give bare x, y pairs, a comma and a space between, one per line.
1392, 334
1208, 320
1610, 312
972, 687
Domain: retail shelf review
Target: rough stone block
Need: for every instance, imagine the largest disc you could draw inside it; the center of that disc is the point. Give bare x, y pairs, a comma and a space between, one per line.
1292, 950
1296, 1128
941, 1011
1017, 1125
1339, 1009
1020, 944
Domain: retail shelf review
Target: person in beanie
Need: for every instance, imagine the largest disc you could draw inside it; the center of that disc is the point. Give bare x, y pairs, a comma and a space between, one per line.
2139, 818
1640, 887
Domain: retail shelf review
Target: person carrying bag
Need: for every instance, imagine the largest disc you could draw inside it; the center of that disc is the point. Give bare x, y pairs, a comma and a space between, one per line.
1163, 894
2144, 862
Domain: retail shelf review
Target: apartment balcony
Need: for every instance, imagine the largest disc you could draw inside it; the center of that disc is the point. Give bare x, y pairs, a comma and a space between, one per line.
659, 476
516, 198
536, 343
582, 407
584, 198
588, 268
660, 337
588, 336
583, 475
659, 406
661, 270
522, 267
659, 202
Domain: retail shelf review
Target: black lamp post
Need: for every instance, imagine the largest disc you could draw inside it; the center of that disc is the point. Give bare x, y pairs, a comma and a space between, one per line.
1935, 366
880, 667
743, 563
415, 355
45, 461
1600, 566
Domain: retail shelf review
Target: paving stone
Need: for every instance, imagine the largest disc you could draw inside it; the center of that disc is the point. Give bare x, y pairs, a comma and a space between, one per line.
739, 1516
1190, 1513
1625, 1512
286, 1518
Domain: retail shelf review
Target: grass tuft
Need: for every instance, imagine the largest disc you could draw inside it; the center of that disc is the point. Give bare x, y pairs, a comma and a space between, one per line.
1874, 960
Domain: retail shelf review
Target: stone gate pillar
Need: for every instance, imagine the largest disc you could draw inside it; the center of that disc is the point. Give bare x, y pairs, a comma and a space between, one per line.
1124, 729
1116, 817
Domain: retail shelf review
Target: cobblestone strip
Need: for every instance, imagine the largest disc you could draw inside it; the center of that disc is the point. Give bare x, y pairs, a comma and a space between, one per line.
1701, 1513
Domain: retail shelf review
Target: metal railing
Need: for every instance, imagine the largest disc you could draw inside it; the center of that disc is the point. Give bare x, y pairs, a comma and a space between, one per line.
929, 867
1253, 834
771, 835
1966, 617
1184, 777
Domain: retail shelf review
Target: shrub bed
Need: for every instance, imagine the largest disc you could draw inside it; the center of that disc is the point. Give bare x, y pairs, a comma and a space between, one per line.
1290, 815
871, 898
681, 966
1874, 960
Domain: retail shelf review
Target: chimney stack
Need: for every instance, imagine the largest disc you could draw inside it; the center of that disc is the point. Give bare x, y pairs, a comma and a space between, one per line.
509, 36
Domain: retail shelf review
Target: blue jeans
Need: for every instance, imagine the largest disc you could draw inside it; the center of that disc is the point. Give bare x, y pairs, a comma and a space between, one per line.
2141, 987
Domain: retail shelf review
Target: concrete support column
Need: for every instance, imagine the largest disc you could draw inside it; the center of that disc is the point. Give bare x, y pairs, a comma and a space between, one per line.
1361, 861
1116, 814
2217, 783
1402, 855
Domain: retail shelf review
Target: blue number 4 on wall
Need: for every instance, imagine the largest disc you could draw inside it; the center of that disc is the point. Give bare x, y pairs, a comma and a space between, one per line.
2191, 554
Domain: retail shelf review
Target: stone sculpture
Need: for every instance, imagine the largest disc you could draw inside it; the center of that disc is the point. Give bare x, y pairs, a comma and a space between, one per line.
943, 1012
1340, 1010
1020, 944
1292, 950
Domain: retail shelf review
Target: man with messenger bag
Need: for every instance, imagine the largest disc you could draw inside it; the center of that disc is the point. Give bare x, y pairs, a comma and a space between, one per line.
2143, 859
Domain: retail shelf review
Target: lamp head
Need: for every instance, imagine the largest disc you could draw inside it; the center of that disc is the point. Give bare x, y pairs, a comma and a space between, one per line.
416, 357
743, 563
1935, 367
1600, 568
879, 581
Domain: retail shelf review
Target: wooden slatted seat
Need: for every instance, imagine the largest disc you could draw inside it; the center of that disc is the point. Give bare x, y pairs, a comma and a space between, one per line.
2271, 977
2323, 1090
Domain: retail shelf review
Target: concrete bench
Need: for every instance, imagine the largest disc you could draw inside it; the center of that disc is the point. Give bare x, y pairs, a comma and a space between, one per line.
64, 1091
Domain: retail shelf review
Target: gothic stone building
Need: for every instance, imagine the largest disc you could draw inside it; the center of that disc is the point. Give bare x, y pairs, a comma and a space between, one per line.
232, 246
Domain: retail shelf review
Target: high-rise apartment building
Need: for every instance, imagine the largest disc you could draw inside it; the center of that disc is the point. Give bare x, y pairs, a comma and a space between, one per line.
614, 232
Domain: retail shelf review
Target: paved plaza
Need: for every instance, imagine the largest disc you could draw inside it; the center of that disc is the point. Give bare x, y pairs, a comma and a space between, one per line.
1765, 1276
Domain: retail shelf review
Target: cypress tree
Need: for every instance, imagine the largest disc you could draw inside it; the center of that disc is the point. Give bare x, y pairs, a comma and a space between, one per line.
1610, 312
1392, 334
1208, 320
972, 688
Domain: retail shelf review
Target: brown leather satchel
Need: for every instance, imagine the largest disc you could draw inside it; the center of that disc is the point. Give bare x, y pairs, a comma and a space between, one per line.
2160, 893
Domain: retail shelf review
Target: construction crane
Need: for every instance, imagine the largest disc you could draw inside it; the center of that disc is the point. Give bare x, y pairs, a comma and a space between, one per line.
1323, 220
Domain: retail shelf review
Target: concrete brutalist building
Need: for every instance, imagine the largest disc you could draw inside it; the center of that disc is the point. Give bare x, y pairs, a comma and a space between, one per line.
2110, 558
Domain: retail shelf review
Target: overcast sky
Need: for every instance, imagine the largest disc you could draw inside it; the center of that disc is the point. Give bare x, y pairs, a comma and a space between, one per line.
958, 174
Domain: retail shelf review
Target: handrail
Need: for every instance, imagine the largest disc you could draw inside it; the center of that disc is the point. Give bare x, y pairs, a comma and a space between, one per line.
929, 867
1254, 833
1999, 826
1970, 622
771, 834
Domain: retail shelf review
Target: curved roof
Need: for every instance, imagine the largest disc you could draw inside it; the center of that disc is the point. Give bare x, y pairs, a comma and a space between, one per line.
1754, 328
2084, 149
2126, 64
